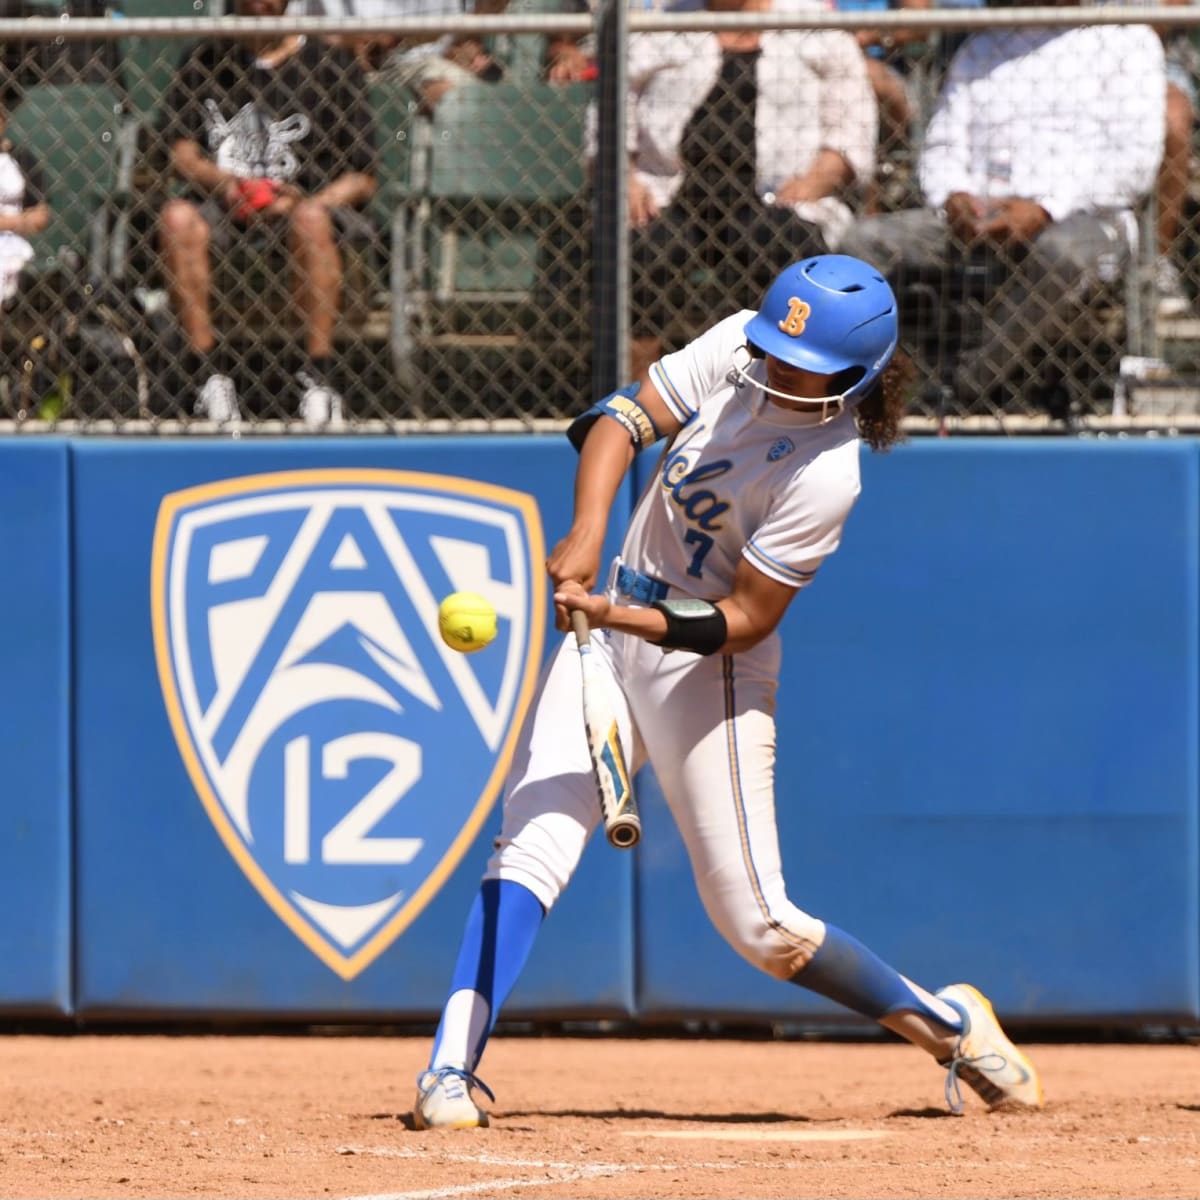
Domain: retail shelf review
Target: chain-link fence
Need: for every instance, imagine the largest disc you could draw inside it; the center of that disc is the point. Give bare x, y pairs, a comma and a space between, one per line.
265, 222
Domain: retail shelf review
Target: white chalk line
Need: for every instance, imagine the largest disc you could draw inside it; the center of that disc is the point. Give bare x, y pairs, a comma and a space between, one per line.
561, 1172
566, 1172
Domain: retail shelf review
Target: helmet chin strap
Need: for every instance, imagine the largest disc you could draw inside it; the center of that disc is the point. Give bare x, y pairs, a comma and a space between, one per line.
739, 376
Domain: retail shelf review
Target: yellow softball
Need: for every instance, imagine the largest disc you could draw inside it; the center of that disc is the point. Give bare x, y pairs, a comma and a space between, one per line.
466, 621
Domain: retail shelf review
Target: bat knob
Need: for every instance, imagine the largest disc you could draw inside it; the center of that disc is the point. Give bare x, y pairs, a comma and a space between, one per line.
625, 834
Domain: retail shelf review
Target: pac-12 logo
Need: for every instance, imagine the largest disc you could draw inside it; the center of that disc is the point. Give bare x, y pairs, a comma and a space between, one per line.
345, 754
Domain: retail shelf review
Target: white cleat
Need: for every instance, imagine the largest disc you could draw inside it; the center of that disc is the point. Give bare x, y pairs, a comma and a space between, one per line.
444, 1100
984, 1058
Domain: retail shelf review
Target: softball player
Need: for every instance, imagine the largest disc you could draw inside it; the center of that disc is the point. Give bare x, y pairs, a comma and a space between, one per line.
763, 416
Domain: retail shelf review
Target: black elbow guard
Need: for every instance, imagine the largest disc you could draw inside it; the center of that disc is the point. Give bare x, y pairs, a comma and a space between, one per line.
694, 625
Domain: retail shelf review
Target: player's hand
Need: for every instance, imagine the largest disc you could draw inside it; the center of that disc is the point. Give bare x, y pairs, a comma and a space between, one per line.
571, 596
576, 559
1015, 222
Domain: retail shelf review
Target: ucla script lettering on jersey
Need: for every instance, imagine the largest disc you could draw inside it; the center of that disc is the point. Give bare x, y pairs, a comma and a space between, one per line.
684, 482
346, 756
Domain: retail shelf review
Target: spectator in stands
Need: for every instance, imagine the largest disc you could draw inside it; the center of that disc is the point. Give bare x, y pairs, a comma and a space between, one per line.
24, 210
886, 67
1175, 171
274, 139
569, 57
429, 66
1040, 144
748, 151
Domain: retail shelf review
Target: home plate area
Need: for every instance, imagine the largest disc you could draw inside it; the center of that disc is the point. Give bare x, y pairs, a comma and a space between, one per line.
329, 1117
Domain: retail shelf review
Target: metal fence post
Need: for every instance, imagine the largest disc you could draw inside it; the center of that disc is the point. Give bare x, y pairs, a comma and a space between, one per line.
610, 205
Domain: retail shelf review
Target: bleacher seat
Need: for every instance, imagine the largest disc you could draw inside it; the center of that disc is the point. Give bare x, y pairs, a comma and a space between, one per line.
470, 194
77, 133
148, 64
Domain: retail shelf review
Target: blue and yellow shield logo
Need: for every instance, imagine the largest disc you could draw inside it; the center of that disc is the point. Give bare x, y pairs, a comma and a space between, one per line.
346, 756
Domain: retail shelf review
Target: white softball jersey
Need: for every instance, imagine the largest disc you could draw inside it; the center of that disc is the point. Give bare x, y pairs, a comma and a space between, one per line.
743, 478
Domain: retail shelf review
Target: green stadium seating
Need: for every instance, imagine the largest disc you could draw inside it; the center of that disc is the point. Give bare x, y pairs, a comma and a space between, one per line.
469, 196
148, 64
77, 133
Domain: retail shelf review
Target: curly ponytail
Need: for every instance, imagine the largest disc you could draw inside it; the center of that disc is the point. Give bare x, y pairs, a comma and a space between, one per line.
881, 410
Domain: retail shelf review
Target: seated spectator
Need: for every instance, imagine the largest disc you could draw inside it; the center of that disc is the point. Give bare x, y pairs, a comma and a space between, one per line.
24, 210
1040, 144
748, 152
1175, 170
430, 66
272, 139
569, 57
886, 67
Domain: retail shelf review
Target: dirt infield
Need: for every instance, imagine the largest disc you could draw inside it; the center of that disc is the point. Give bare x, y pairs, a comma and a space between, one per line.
109, 1116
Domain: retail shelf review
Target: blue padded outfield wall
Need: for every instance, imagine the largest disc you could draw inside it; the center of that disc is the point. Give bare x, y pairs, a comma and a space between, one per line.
282, 597
244, 778
988, 740
35, 729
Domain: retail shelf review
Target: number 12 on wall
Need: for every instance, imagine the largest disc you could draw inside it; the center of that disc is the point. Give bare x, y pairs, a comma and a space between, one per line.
349, 841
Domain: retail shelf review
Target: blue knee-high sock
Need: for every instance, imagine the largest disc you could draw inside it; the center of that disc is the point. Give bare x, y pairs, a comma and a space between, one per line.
501, 929
843, 969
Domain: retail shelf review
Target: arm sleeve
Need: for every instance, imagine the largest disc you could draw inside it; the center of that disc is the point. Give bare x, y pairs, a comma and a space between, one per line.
805, 527
686, 377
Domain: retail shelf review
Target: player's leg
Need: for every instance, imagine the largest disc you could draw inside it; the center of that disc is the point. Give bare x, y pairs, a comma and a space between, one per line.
550, 810
715, 758
501, 928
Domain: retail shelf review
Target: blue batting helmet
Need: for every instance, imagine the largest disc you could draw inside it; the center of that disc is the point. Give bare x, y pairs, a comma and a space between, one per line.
829, 314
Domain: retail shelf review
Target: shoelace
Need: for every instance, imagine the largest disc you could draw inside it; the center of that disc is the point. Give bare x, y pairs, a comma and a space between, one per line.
954, 1089
455, 1090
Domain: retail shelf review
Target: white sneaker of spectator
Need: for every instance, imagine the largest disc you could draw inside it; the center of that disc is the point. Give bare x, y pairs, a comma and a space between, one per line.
320, 405
217, 401
1172, 299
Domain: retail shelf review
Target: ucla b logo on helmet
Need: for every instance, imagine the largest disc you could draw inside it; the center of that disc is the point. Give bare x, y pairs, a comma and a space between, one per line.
796, 318
346, 757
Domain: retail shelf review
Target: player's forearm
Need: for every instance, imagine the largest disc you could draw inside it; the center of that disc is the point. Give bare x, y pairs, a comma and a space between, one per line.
603, 461
651, 624
646, 623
